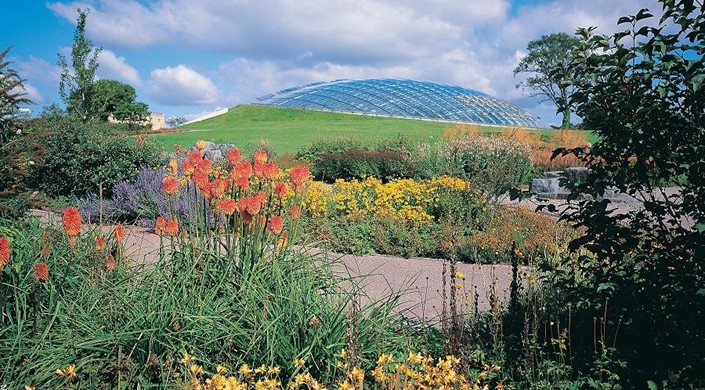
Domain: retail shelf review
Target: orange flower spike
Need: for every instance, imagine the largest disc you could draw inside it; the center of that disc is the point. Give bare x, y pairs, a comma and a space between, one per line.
270, 171
200, 179
262, 197
119, 233
170, 185
109, 262
41, 271
173, 167
4, 252
260, 157
234, 157
72, 221
276, 225
280, 190
204, 165
172, 227
298, 177
294, 212
219, 187
100, 242
242, 183
227, 206
188, 168
250, 205
160, 226
243, 169
259, 170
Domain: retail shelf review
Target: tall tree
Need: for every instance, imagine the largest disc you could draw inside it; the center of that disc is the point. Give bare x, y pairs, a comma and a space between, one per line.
11, 96
77, 86
119, 100
548, 65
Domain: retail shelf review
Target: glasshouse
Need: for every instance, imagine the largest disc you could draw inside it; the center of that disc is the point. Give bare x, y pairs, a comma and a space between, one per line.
404, 99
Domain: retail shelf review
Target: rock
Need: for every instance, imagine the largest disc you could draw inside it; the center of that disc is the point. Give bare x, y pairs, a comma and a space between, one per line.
577, 173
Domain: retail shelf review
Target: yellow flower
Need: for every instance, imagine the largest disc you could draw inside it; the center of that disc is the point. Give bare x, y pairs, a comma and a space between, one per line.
459, 275
415, 358
385, 358
196, 369
71, 371
343, 353
245, 370
187, 359
200, 144
345, 385
298, 362
356, 375
221, 369
458, 286
273, 370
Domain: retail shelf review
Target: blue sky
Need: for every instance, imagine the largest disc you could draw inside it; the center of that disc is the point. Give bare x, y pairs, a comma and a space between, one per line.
187, 57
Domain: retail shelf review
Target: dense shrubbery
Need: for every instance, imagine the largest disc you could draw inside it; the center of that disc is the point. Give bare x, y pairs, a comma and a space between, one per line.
79, 157
74, 307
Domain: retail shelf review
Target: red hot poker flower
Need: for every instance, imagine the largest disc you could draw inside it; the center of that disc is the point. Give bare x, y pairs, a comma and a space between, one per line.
297, 178
41, 271
234, 156
170, 185
119, 233
294, 212
100, 242
160, 226
109, 262
280, 190
219, 187
172, 227
276, 224
250, 205
260, 156
226, 206
4, 252
262, 197
244, 169
72, 221
242, 183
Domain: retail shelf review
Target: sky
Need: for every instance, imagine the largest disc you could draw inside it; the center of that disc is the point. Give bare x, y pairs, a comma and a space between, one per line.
187, 57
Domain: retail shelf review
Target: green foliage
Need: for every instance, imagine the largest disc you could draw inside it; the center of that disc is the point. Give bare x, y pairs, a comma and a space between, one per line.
77, 85
81, 156
11, 97
548, 61
641, 91
359, 164
131, 326
116, 99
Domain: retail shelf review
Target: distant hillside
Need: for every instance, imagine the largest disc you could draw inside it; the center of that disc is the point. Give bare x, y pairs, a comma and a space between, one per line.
289, 129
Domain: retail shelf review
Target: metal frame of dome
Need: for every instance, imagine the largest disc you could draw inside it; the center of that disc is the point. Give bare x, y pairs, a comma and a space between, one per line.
404, 99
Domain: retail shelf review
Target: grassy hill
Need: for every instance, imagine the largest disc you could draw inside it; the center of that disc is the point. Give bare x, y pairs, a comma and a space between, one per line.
289, 129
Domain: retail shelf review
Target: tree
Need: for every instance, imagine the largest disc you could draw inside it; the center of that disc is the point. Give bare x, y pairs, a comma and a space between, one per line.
116, 99
12, 95
548, 64
77, 86
643, 89
176, 121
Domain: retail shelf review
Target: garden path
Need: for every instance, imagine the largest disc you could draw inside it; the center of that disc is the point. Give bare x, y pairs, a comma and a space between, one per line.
417, 283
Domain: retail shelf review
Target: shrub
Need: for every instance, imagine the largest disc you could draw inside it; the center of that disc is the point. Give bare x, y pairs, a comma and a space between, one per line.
79, 157
359, 164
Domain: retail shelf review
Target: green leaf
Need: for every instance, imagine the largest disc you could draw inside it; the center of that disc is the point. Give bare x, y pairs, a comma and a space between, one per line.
700, 227
651, 385
697, 82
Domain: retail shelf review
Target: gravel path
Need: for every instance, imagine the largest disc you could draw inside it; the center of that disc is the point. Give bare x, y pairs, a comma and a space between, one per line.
417, 283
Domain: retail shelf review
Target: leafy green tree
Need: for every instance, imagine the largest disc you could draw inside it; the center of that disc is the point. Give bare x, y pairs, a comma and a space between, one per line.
550, 76
643, 91
176, 121
119, 100
77, 86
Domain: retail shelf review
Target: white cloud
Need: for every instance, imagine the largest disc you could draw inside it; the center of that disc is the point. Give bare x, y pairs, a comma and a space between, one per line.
31, 93
181, 85
40, 71
275, 44
116, 68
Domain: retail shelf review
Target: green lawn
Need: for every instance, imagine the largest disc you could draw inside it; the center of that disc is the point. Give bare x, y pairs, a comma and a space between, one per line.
289, 129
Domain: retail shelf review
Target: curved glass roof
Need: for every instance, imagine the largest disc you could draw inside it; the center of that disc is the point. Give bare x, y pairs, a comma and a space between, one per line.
404, 99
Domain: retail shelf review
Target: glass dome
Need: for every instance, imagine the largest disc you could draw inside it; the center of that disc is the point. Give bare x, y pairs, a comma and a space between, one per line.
404, 99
